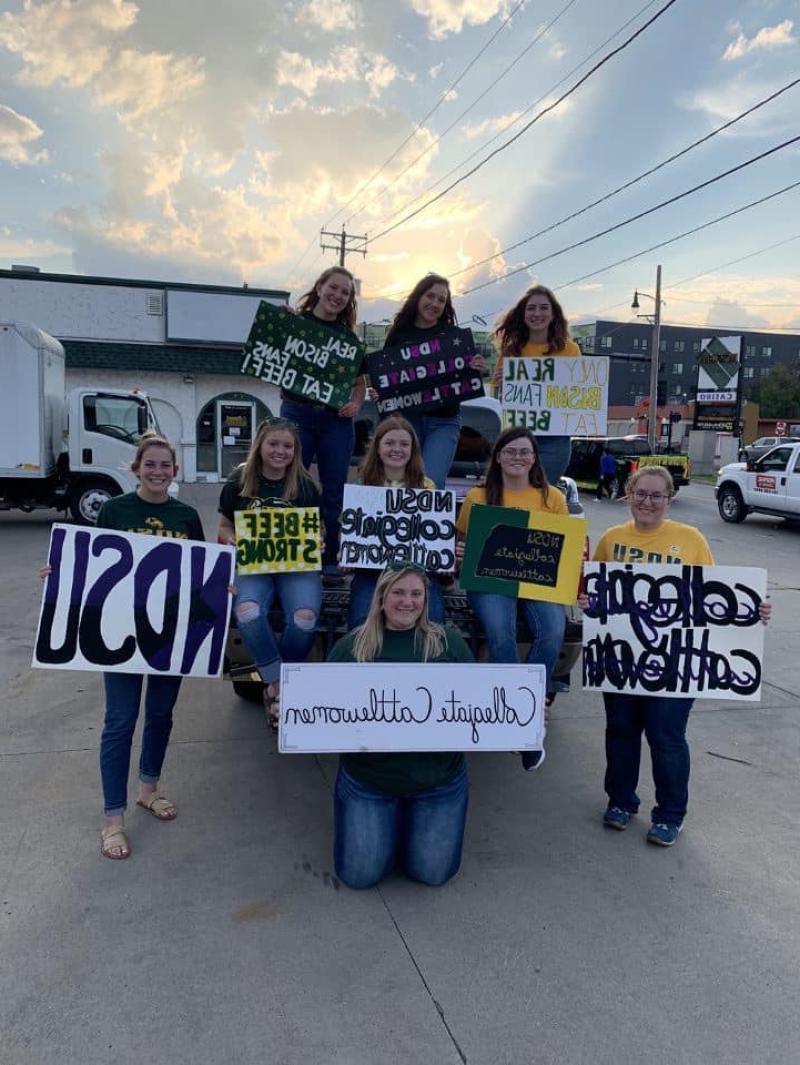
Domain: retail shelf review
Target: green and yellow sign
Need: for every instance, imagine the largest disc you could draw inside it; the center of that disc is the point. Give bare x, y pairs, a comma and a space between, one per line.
278, 540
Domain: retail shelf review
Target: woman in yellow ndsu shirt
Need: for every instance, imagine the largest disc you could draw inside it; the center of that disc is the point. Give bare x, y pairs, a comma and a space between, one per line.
536, 326
650, 536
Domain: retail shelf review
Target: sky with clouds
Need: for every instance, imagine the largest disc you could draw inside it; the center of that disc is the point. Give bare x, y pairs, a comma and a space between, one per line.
190, 140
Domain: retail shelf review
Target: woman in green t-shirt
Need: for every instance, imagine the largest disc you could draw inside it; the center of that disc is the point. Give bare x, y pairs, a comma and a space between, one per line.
411, 805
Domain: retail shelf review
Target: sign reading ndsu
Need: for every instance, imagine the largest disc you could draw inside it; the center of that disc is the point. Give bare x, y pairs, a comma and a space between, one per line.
277, 540
302, 356
130, 603
384, 525
556, 395
522, 554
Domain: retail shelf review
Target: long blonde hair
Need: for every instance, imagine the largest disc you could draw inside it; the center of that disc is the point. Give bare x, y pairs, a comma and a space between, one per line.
429, 636
250, 471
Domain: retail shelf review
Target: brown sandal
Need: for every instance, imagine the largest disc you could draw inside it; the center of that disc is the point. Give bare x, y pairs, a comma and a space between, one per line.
162, 809
111, 837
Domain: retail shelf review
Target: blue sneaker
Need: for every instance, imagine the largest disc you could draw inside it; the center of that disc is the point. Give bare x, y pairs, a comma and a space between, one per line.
663, 835
616, 817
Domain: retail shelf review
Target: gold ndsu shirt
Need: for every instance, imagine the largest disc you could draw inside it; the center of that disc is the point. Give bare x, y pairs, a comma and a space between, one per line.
672, 541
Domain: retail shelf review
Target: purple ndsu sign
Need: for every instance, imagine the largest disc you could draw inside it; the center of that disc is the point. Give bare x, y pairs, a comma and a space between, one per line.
130, 603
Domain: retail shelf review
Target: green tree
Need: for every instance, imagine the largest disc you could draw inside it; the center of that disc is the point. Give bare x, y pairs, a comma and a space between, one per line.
779, 393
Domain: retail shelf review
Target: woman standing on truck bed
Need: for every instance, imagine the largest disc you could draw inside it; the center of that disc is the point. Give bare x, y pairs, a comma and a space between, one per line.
534, 327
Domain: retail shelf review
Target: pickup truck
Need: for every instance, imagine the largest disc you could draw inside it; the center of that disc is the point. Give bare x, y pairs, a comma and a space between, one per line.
767, 485
630, 452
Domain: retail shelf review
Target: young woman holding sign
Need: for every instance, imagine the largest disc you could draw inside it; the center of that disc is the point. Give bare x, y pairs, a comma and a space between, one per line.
393, 460
272, 476
515, 477
152, 511
407, 805
535, 326
426, 312
327, 435
650, 536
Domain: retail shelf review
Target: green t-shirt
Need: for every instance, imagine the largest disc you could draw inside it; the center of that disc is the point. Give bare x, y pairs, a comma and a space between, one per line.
231, 499
404, 773
131, 513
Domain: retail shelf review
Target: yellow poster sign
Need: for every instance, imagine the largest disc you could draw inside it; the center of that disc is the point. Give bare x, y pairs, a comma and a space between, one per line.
278, 540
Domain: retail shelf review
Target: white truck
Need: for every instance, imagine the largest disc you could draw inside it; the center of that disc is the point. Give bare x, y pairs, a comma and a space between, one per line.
61, 451
767, 485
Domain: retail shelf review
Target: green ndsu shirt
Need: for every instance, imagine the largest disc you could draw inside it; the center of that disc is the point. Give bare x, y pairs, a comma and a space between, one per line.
131, 513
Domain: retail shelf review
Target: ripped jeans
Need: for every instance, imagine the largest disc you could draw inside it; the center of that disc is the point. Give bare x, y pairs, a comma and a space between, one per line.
300, 596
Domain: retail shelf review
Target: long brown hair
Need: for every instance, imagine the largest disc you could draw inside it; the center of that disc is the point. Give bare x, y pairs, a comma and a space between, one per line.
494, 474
308, 301
512, 334
372, 471
429, 636
148, 440
407, 314
250, 472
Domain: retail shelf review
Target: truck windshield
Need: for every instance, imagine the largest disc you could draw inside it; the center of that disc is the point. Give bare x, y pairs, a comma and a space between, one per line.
121, 417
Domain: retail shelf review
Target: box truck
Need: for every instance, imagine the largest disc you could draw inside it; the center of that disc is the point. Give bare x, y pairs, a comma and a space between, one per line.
66, 451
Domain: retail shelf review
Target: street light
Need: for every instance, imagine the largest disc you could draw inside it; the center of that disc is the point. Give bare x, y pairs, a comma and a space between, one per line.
655, 346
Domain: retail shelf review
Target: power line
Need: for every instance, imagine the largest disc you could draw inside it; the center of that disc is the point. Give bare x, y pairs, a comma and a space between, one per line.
636, 217
735, 262
628, 184
546, 110
538, 36
444, 96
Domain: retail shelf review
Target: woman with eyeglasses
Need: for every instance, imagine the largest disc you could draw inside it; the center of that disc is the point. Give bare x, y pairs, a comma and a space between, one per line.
534, 327
393, 459
650, 536
272, 475
515, 477
410, 806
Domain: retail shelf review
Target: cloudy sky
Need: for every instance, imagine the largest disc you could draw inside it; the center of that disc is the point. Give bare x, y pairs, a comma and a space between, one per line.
190, 140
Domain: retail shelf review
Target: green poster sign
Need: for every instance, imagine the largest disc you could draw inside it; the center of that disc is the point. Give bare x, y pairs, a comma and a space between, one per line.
302, 356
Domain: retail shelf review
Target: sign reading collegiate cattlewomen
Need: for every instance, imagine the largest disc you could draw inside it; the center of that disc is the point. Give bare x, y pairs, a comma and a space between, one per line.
130, 603
277, 539
302, 356
673, 630
420, 376
383, 525
383, 706
556, 395
523, 554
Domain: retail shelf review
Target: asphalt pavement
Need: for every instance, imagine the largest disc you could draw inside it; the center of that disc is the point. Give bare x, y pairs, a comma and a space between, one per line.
226, 940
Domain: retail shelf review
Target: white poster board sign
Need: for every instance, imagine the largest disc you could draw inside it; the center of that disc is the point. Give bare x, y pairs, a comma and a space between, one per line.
390, 706
556, 395
131, 603
383, 525
674, 630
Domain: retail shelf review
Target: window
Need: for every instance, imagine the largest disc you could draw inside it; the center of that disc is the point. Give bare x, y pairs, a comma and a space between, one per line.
777, 459
635, 343
644, 344
605, 342
695, 345
677, 389
662, 346
763, 371
680, 345
677, 367
749, 371
750, 351
767, 352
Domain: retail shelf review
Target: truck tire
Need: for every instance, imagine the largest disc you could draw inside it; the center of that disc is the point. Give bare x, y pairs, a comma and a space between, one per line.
731, 505
87, 498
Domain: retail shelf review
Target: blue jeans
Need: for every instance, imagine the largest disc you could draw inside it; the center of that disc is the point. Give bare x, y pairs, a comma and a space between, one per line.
554, 452
330, 439
123, 695
372, 829
254, 597
438, 438
362, 587
663, 722
498, 616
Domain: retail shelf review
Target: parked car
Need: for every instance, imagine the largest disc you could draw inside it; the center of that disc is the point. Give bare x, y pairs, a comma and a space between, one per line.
767, 485
630, 452
758, 448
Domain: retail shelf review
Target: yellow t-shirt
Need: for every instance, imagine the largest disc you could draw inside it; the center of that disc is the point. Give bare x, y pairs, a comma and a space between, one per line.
529, 498
538, 351
672, 541
426, 483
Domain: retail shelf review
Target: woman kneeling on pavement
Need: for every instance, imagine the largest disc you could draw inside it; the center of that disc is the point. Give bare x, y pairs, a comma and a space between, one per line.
406, 807
650, 536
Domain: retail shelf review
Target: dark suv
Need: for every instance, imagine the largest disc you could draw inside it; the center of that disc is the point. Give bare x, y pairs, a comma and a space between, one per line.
629, 452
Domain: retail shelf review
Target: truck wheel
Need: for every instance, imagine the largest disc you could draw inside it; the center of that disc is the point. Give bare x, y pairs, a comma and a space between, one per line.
731, 505
87, 499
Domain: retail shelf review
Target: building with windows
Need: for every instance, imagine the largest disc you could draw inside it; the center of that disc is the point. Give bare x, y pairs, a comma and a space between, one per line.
179, 343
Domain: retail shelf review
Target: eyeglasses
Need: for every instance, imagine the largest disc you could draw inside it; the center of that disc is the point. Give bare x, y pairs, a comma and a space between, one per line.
518, 452
398, 564
656, 498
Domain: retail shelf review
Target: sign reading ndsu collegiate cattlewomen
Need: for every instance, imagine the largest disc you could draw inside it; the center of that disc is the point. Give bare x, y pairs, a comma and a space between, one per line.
383, 525
423, 375
302, 356
556, 395
130, 603
672, 630
523, 554
277, 539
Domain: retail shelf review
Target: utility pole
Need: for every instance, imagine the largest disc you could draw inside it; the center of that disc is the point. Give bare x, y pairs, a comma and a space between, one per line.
652, 421
344, 246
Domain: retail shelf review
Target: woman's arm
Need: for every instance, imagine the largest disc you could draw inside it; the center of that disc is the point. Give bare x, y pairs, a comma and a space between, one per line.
353, 405
226, 534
